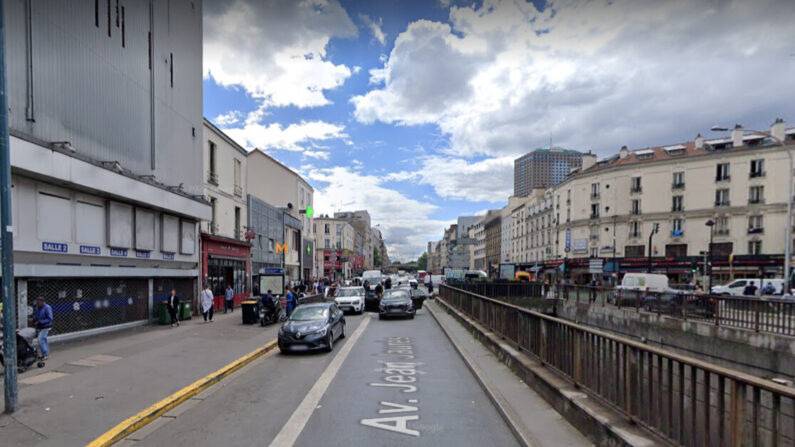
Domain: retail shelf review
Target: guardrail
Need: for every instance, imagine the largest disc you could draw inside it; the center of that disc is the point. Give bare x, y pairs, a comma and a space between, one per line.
760, 314
504, 289
687, 401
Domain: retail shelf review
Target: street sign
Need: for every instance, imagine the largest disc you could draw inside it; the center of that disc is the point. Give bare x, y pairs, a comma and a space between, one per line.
568, 240
596, 265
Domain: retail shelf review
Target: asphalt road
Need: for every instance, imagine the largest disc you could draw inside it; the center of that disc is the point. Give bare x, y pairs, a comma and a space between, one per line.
389, 383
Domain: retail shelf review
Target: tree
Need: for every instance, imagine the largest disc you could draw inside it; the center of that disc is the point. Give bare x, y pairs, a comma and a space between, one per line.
376, 257
422, 261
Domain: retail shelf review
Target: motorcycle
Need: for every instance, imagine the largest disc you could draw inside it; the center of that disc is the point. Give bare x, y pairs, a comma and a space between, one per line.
268, 315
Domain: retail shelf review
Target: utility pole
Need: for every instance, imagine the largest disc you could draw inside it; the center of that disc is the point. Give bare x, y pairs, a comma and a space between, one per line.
654, 231
6, 239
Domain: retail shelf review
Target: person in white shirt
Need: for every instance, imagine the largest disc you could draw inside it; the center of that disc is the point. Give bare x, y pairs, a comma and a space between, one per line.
207, 303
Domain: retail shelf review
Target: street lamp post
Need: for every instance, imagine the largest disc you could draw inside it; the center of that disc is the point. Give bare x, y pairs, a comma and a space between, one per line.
613, 260
711, 224
654, 231
788, 234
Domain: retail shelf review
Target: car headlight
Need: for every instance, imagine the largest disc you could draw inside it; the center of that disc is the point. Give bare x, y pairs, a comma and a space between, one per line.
320, 332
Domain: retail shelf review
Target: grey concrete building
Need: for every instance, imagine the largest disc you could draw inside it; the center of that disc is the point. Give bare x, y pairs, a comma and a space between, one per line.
543, 168
106, 155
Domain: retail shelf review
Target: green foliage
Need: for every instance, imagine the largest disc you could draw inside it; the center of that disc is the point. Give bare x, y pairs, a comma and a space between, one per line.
422, 262
376, 257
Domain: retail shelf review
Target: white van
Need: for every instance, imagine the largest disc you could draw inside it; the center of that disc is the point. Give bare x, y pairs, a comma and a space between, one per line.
372, 276
737, 287
646, 282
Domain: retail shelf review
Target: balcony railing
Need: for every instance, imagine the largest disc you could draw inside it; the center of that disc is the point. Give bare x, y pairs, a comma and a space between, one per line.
594, 236
212, 177
678, 186
722, 203
756, 174
756, 201
636, 189
635, 212
756, 230
676, 209
593, 216
723, 178
722, 232
594, 196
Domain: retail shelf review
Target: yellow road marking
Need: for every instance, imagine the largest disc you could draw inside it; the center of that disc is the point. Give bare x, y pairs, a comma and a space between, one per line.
142, 418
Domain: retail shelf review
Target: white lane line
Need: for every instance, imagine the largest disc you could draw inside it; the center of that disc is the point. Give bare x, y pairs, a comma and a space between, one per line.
293, 428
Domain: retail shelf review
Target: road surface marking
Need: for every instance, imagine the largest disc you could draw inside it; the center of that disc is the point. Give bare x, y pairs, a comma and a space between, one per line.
293, 428
151, 414
41, 378
398, 374
95, 360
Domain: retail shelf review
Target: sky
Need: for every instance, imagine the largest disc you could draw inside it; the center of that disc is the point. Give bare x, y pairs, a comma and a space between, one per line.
416, 109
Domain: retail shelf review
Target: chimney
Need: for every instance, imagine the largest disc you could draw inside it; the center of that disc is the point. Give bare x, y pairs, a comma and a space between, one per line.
588, 160
777, 130
699, 142
737, 135
623, 153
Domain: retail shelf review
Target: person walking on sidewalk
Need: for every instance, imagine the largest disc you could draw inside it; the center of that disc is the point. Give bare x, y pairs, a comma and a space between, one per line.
207, 303
289, 300
42, 319
229, 299
173, 304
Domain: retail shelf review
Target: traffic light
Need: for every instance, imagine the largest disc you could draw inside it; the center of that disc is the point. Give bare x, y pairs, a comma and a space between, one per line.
694, 268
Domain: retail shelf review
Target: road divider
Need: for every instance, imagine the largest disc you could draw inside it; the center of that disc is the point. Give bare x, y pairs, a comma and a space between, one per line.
145, 417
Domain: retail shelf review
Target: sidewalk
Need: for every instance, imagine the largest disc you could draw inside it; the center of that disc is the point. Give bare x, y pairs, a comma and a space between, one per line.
536, 420
90, 386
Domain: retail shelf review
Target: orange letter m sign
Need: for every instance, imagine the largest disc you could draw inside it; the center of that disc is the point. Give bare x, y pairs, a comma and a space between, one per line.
281, 248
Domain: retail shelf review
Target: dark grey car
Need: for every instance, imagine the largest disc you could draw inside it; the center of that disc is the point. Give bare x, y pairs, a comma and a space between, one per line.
312, 326
396, 303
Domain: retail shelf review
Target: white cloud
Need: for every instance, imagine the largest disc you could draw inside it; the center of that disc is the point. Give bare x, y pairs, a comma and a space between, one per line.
403, 220
375, 27
291, 138
322, 155
229, 118
276, 49
498, 79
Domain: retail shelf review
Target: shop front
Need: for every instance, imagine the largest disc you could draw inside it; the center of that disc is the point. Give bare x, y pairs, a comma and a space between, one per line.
225, 262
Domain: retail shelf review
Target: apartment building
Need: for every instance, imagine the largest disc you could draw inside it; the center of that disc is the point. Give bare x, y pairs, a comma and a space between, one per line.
730, 188
336, 236
544, 168
479, 249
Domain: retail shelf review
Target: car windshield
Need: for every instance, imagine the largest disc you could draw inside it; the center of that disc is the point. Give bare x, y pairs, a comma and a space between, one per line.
350, 292
396, 295
309, 313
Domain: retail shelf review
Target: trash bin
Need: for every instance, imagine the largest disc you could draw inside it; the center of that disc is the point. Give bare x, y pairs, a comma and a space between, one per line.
184, 311
161, 313
249, 311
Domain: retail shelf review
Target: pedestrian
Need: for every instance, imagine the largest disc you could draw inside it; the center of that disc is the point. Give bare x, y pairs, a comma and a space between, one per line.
750, 289
289, 300
379, 291
769, 289
430, 287
229, 299
173, 304
207, 303
42, 320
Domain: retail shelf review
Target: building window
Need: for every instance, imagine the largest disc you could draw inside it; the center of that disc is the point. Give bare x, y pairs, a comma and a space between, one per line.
722, 226
214, 221
722, 172
238, 179
756, 224
722, 249
676, 227
754, 247
635, 207
212, 175
634, 251
677, 204
271, 245
722, 197
594, 252
594, 190
756, 194
595, 211
238, 233
676, 250
634, 229
679, 180
328, 244
757, 168
327, 229
636, 186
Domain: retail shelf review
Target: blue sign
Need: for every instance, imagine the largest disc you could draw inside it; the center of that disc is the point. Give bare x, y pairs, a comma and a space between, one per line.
271, 271
118, 252
141, 254
568, 238
89, 250
54, 247
168, 256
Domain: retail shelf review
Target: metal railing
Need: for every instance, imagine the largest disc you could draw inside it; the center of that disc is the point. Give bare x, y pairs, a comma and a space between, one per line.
761, 314
685, 400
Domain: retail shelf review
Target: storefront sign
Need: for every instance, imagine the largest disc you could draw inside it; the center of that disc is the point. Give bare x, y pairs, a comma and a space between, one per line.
118, 252
580, 245
168, 256
89, 250
271, 271
142, 254
54, 247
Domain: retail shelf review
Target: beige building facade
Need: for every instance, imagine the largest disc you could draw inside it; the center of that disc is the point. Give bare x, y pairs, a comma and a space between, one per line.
224, 184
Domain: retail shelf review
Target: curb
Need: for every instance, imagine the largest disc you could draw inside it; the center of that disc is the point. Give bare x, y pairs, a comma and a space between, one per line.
504, 408
598, 422
148, 415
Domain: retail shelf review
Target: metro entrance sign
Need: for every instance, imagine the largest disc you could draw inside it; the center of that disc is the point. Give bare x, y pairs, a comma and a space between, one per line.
596, 266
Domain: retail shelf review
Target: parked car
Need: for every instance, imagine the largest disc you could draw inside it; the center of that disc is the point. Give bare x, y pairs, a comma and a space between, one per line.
350, 299
670, 303
311, 327
636, 285
396, 303
737, 287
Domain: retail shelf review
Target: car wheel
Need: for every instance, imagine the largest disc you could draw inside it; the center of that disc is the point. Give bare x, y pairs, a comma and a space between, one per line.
411, 317
380, 317
330, 342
